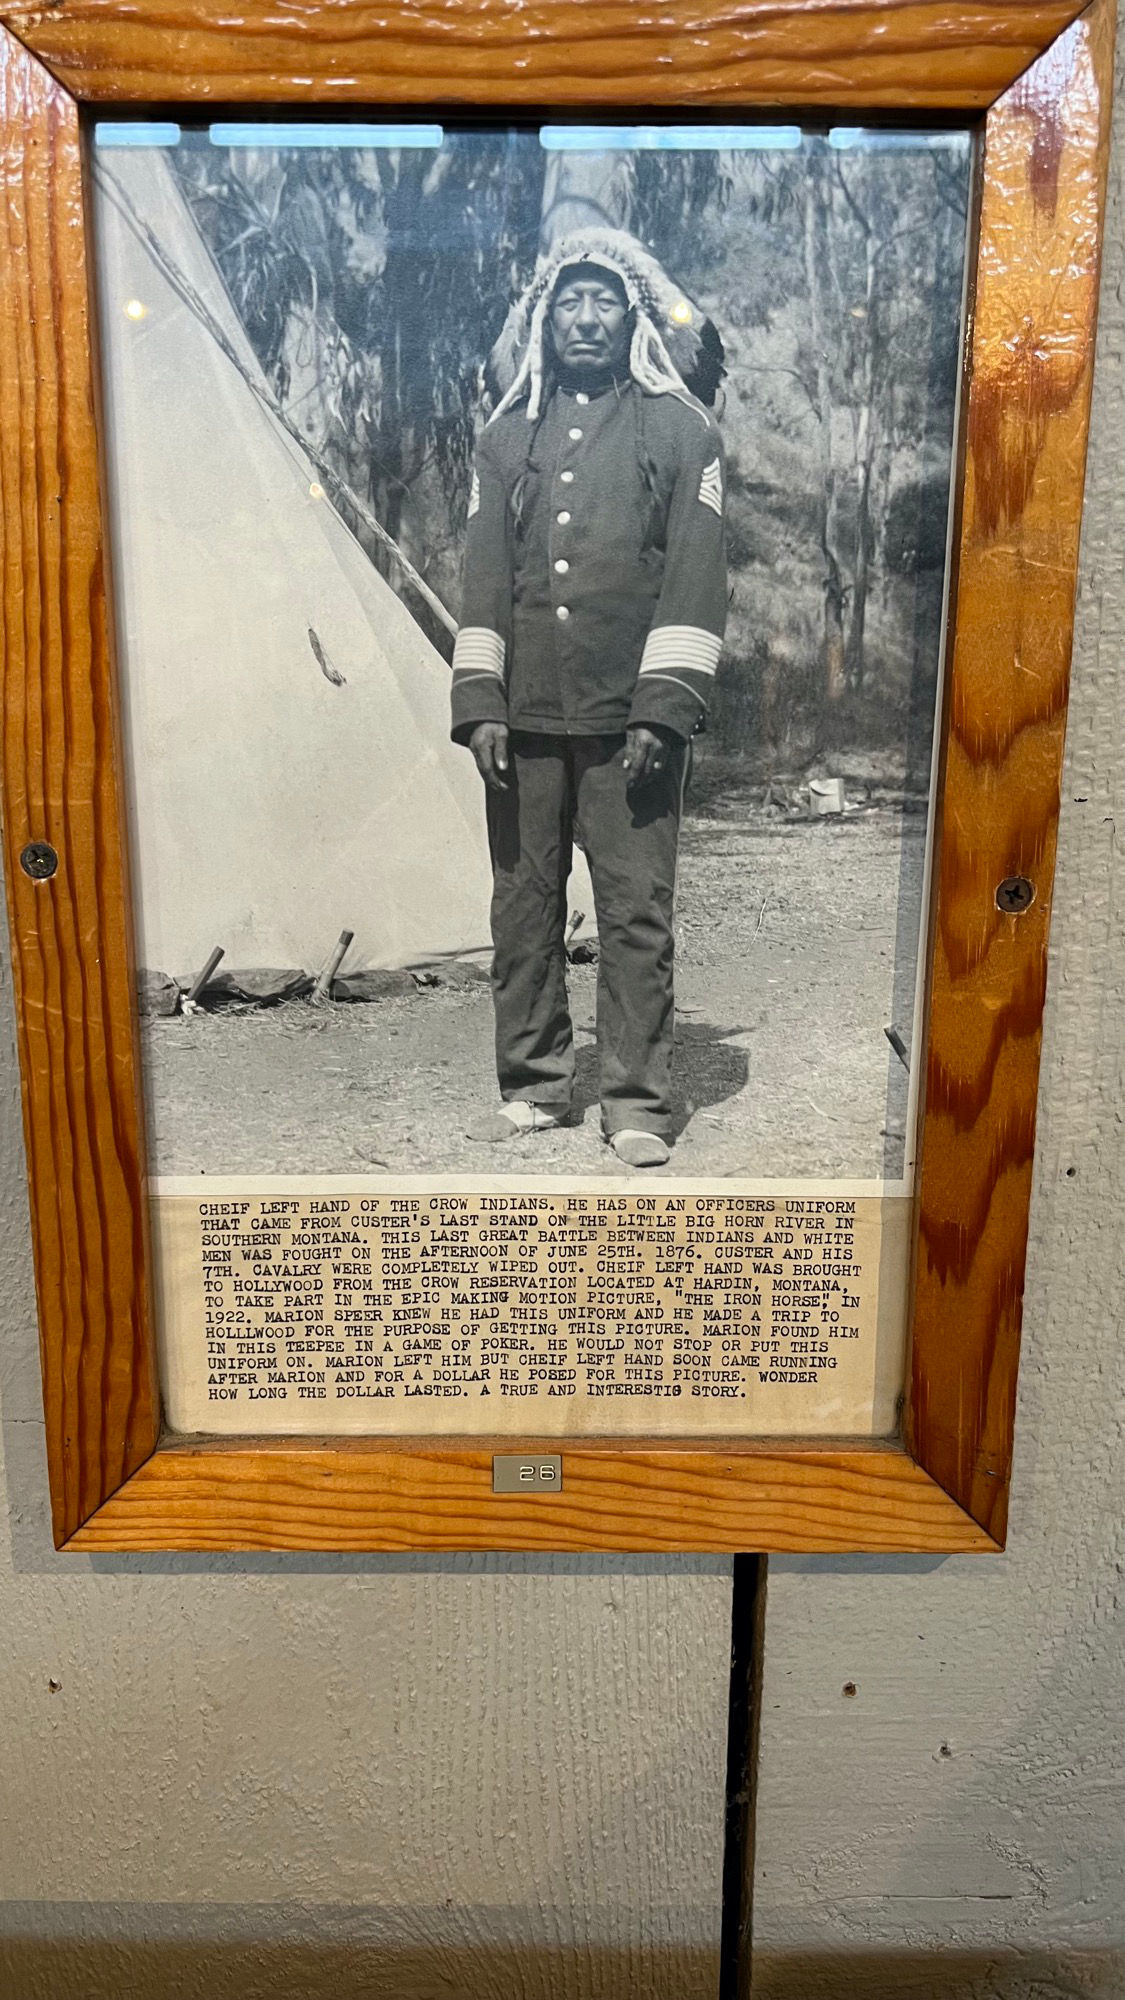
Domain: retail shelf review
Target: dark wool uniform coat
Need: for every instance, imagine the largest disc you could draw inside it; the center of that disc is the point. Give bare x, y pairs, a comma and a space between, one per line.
595, 590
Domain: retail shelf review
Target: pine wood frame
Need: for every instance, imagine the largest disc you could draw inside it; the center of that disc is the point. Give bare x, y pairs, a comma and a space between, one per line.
1039, 76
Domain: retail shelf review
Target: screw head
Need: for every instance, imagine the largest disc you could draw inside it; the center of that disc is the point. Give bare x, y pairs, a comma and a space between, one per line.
39, 860
1014, 895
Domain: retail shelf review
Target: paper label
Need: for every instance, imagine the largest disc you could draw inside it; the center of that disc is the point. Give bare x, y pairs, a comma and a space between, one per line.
541, 1313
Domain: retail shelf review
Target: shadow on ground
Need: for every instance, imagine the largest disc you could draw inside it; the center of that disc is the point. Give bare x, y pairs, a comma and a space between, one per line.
709, 1071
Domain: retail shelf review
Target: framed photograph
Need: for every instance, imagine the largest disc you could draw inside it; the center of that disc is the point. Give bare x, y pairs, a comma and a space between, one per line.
538, 614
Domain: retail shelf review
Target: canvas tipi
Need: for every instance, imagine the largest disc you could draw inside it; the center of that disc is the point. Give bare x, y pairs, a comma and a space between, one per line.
291, 773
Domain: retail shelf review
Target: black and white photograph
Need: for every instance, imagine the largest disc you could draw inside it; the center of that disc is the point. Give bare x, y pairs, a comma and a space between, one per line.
530, 607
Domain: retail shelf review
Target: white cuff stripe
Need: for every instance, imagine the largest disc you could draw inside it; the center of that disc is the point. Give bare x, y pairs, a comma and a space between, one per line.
479, 649
656, 675
688, 647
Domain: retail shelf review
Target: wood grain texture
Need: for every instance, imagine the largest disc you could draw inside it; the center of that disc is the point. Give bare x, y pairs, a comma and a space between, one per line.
70, 946
364, 1494
924, 53
1027, 419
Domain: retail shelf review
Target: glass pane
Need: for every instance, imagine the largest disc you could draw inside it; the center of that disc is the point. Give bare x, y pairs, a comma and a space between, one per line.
662, 419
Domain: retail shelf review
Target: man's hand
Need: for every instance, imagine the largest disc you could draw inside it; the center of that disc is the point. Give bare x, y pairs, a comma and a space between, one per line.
489, 745
646, 755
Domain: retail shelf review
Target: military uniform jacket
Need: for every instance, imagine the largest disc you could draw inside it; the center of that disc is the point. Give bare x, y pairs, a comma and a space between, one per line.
595, 577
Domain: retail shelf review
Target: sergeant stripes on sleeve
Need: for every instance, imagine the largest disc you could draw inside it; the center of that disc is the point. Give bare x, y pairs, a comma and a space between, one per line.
711, 487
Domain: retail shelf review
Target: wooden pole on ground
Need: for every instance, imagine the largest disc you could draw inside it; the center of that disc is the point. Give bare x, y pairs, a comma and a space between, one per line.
191, 997
322, 989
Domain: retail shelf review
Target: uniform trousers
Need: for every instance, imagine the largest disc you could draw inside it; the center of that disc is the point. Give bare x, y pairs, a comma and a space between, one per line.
561, 788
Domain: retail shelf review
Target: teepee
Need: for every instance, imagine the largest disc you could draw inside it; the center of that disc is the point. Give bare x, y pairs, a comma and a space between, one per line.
287, 721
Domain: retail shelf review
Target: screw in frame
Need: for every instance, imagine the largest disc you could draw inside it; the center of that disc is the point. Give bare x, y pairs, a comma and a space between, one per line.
39, 860
1014, 895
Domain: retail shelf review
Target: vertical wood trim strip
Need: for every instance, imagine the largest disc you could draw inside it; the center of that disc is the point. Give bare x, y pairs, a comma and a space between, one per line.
71, 948
1046, 154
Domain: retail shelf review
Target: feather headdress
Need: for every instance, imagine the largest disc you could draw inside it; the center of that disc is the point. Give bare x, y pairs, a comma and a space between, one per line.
675, 349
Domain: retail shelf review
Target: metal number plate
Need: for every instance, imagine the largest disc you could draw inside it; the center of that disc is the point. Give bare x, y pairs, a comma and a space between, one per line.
513, 1474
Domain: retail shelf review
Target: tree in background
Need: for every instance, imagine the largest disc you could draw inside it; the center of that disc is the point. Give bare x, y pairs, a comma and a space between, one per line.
841, 268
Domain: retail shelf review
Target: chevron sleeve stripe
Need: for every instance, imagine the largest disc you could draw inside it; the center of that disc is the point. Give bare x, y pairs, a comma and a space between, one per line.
711, 487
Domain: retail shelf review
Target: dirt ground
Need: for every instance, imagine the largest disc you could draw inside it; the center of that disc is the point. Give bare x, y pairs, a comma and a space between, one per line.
795, 950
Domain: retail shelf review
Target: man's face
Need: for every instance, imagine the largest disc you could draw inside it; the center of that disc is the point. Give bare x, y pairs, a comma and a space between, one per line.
589, 320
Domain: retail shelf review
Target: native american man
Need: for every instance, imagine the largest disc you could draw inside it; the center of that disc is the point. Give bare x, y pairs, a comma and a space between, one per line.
594, 605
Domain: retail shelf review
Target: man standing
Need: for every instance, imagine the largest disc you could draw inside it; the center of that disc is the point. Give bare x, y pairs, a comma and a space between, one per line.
593, 615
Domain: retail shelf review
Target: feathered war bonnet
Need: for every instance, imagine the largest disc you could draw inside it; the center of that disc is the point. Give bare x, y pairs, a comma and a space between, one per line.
675, 349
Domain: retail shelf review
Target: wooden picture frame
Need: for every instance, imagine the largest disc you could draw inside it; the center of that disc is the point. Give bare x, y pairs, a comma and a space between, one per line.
1036, 74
